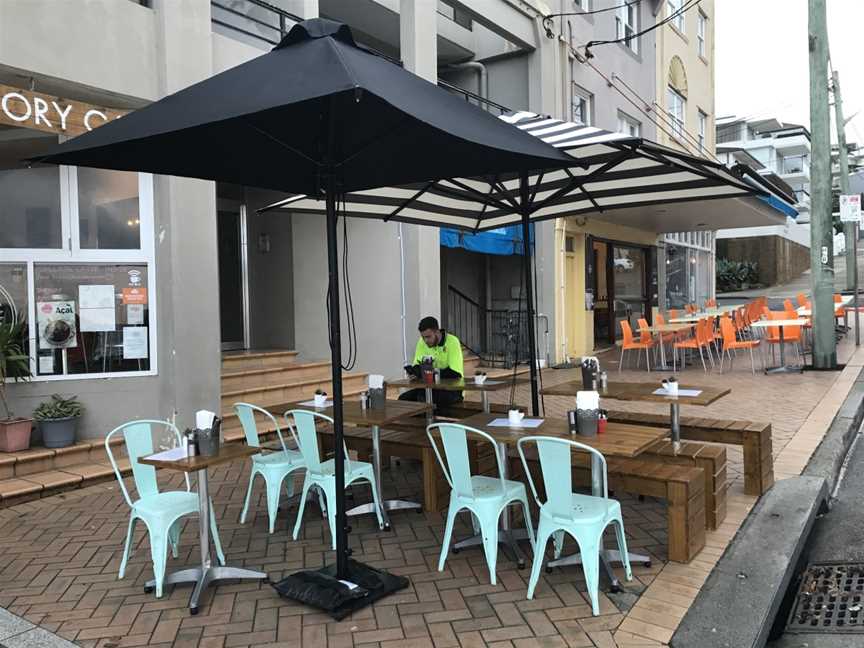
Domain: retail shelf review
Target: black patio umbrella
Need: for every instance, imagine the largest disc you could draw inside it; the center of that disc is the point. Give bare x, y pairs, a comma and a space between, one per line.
318, 115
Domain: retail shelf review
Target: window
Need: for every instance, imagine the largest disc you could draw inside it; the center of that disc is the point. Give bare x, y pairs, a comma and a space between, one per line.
585, 5
628, 125
676, 107
703, 131
673, 8
626, 24
458, 16
701, 31
78, 263
581, 105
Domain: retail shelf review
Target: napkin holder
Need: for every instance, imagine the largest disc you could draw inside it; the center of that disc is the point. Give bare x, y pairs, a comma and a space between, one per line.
209, 440
377, 397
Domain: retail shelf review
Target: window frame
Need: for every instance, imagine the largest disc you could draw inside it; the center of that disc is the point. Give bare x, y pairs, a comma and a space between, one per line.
72, 253
678, 125
578, 91
629, 123
622, 24
679, 23
702, 34
702, 129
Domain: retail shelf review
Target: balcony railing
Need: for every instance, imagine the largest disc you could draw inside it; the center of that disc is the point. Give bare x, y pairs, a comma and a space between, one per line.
254, 22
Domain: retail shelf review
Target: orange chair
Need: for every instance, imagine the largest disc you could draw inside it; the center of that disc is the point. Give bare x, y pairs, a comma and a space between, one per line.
702, 339
666, 337
802, 299
629, 344
731, 343
791, 334
710, 303
840, 311
789, 307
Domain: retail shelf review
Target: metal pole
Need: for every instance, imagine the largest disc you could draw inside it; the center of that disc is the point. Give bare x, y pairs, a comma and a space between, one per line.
821, 229
524, 200
336, 360
850, 229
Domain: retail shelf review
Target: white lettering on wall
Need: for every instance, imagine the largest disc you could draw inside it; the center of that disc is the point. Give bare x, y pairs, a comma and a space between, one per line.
5, 106
64, 112
41, 107
89, 113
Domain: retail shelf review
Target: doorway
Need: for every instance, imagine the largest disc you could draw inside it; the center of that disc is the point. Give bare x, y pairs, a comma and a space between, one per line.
233, 277
619, 276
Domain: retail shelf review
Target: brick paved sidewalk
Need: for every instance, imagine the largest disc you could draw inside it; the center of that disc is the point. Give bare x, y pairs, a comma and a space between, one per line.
59, 558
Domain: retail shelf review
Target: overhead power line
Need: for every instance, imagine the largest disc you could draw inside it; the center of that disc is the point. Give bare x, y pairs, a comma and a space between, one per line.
547, 19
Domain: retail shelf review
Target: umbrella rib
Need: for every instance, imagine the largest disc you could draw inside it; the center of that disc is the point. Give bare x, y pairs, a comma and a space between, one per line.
539, 183
479, 196
659, 157
410, 200
480, 215
275, 139
580, 182
508, 195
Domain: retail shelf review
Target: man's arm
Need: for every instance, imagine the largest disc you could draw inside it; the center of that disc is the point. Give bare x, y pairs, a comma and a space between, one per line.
455, 366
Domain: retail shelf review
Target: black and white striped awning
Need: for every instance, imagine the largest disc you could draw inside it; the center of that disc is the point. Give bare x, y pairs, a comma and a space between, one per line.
611, 171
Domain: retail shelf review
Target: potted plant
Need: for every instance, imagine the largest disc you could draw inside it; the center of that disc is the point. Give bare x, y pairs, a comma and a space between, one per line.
14, 365
57, 420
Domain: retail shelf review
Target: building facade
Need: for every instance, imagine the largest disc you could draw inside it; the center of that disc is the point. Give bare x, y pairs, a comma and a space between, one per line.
781, 153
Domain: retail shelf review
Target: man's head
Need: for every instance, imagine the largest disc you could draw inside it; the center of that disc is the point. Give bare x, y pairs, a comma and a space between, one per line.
429, 331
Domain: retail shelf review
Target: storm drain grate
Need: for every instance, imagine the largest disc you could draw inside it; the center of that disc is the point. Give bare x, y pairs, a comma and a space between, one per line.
830, 599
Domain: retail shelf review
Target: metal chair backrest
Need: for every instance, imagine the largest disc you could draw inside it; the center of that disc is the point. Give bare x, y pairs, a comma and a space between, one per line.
138, 437
305, 434
556, 466
246, 413
457, 468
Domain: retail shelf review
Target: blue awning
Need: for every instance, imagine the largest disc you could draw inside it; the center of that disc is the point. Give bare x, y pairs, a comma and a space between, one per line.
503, 241
780, 205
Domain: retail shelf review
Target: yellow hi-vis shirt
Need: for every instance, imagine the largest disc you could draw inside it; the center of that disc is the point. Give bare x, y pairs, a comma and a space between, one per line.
447, 355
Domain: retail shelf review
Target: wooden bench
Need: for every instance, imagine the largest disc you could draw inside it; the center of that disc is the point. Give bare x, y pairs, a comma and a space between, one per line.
755, 437
711, 459
682, 487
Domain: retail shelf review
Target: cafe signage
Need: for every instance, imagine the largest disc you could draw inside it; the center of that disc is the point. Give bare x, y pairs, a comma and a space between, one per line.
27, 109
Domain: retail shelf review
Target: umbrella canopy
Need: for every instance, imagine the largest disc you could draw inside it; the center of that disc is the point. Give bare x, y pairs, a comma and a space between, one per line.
608, 171
316, 102
317, 115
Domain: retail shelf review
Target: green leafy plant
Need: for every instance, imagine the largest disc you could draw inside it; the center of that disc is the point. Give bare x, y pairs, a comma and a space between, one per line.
14, 363
58, 408
734, 275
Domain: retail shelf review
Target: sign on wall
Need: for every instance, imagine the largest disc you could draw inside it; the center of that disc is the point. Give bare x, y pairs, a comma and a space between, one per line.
27, 109
850, 208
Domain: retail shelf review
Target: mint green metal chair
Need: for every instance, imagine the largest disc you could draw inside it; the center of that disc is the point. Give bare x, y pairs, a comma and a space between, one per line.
273, 467
322, 474
159, 511
485, 497
585, 517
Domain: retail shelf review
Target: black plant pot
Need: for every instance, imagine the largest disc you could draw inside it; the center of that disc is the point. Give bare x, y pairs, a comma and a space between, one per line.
58, 433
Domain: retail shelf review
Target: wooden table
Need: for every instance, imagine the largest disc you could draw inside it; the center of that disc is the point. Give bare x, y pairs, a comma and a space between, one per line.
354, 414
460, 384
205, 574
780, 324
619, 440
644, 391
659, 329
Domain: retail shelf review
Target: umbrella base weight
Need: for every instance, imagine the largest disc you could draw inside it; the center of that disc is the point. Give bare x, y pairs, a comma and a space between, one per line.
321, 589
785, 369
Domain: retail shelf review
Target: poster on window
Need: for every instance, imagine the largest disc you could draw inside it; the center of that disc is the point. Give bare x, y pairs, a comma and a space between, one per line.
134, 342
56, 321
96, 308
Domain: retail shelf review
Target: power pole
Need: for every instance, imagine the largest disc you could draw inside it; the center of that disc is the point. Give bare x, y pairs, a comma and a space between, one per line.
849, 229
821, 227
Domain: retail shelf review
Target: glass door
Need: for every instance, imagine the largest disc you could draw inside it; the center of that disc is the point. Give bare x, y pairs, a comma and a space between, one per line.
630, 290
233, 296
599, 263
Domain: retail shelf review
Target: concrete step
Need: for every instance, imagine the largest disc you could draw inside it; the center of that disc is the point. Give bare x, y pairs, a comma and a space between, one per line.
16, 465
289, 372
351, 390
264, 395
234, 361
18, 490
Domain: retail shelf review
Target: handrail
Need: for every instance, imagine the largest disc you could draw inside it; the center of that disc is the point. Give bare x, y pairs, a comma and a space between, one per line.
281, 29
472, 96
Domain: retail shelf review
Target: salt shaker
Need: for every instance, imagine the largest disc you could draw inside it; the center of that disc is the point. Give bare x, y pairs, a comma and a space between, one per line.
604, 380
364, 401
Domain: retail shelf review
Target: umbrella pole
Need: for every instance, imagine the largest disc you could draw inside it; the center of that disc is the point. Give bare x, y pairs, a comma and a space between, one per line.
524, 200
336, 361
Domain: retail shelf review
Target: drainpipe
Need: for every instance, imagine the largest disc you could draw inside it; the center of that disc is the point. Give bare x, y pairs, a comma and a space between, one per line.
561, 230
483, 75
